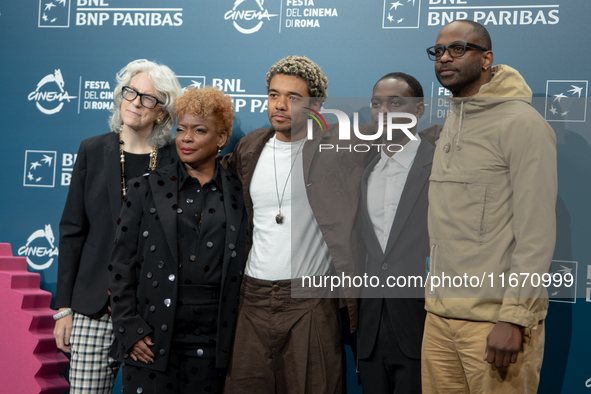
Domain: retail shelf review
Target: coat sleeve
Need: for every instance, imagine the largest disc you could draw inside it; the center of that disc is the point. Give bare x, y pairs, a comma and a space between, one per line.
529, 148
231, 161
73, 229
128, 326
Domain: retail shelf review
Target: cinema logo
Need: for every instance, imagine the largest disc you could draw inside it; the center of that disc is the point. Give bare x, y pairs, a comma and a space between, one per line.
45, 97
40, 249
245, 19
392, 123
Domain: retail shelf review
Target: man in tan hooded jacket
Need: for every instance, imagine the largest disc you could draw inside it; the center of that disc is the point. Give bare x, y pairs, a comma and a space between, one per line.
492, 202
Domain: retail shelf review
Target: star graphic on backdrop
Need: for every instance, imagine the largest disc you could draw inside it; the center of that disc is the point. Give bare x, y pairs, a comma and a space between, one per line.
38, 179
47, 159
576, 90
413, 2
34, 165
30, 176
395, 5
553, 294
390, 17
195, 84
552, 109
565, 270
48, 6
564, 113
53, 20
44, 17
558, 97
399, 20
62, 2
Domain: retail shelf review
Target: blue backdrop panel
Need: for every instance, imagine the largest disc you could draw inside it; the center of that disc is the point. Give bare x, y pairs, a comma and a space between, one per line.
59, 59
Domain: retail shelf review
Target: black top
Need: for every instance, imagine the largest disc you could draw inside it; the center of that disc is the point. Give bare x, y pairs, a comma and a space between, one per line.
136, 164
144, 268
201, 229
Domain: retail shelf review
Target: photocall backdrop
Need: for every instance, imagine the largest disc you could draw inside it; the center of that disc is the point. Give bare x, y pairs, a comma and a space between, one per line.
60, 57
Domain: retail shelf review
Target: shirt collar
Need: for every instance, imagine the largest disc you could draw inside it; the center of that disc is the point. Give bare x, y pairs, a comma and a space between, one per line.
405, 157
185, 178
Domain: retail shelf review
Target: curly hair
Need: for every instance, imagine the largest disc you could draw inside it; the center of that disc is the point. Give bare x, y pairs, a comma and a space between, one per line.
302, 67
167, 89
208, 102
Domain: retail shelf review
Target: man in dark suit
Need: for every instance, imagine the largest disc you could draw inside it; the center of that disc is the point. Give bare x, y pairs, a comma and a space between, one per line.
394, 218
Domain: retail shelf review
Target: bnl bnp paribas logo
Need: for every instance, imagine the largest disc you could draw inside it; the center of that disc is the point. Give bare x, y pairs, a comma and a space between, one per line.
49, 95
563, 283
248, 16
401, 14
54, 13
39, 168
566, 100
392, 119
40, 248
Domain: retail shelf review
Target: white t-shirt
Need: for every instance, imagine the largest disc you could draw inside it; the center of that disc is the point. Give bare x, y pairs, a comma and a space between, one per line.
296, 247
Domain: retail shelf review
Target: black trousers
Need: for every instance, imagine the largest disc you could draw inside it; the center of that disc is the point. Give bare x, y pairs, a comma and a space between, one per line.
388, 370
191, 365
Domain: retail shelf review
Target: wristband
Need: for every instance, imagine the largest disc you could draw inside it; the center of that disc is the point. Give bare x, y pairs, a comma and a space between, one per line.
59, 315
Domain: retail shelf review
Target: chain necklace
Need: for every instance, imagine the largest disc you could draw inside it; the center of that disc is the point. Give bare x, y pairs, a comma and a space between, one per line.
279, 217
152, 166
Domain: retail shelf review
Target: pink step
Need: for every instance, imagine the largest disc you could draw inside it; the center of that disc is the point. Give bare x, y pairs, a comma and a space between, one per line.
5, 249
13, 263
25, 280
30, 362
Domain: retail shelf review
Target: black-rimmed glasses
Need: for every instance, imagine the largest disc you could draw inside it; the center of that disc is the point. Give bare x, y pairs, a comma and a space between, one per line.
455, 49
147, 101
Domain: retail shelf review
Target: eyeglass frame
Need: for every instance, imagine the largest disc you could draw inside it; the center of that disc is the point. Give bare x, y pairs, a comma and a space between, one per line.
447, 48
140, 95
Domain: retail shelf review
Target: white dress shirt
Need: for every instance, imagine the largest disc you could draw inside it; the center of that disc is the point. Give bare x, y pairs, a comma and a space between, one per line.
384, 189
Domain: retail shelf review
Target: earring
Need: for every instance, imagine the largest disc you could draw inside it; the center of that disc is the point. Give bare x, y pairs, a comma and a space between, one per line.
219, 149
158, 120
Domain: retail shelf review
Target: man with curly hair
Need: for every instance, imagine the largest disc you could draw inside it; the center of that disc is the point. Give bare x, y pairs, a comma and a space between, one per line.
298, 226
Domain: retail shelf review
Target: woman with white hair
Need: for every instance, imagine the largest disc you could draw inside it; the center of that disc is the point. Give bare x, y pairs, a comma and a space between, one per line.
140, 137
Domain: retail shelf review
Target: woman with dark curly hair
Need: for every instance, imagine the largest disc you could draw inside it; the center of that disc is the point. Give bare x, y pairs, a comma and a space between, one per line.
178, 259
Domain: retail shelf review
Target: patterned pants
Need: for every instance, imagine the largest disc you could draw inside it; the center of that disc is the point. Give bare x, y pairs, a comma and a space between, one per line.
91, 368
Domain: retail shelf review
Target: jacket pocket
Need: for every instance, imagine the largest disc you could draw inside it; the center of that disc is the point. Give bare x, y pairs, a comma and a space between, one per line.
457, 208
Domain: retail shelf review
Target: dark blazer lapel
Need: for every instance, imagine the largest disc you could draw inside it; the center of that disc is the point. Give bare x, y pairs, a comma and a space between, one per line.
417, 177
372, 244
234, 207
112, 174
250, 159
164, 154
166, 214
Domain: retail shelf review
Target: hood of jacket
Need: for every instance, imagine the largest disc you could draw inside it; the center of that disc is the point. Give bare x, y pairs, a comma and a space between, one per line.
506, 84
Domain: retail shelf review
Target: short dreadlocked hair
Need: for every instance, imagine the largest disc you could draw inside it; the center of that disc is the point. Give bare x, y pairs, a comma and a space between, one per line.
302, 67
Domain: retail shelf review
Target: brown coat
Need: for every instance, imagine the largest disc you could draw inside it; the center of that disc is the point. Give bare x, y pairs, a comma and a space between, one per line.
333, 188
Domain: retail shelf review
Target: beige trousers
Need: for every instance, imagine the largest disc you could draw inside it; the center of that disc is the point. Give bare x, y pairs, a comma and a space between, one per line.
452, 359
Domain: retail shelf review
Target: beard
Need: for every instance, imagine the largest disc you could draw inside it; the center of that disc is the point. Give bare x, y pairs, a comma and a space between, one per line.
295, 126
463, 78
284, 129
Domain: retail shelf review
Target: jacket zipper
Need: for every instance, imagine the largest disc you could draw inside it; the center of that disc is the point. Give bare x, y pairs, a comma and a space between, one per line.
481, 233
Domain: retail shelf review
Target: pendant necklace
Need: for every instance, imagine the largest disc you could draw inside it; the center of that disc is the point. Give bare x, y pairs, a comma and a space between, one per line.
279, 218
152, 166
